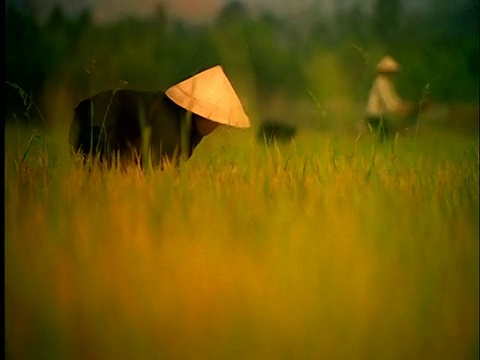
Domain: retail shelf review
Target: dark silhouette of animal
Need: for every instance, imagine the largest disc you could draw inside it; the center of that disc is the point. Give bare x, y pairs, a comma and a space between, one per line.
272, 130
110, 124
124, 124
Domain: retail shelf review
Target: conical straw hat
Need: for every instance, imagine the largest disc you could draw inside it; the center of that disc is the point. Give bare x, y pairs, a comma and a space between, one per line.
210, 95
388, 65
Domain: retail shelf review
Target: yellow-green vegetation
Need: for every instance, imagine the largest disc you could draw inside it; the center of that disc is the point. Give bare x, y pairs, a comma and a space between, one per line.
329, 247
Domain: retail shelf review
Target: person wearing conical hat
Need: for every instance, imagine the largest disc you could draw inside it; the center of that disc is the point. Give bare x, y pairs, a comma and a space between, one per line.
167, 124
384, 107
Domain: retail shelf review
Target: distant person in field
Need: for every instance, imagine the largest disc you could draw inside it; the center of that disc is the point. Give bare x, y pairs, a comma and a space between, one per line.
386, 111
118, 125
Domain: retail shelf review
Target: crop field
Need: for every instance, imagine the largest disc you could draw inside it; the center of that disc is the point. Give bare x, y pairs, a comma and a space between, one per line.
330, 246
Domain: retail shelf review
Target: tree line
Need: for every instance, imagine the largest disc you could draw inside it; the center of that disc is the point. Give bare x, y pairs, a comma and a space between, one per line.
266, 53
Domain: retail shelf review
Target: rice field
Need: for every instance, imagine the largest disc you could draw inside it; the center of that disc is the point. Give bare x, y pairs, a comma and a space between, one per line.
327, 247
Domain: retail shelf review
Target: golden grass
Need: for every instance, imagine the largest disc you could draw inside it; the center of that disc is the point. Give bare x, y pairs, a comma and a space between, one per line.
246, 252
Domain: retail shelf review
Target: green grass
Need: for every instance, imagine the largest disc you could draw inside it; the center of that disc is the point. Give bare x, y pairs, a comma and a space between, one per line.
325, 248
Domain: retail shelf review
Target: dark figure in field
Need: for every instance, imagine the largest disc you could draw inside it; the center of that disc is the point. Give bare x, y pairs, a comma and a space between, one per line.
271, 130
122, 124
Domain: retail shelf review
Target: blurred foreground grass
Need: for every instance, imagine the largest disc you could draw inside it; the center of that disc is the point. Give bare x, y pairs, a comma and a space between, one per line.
310, 250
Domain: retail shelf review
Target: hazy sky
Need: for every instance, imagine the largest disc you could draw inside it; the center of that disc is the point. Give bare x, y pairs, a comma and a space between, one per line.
186, 9
106, 10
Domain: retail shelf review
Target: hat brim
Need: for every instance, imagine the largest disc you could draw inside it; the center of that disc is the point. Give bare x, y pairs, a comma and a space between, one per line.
210, 95
388, 65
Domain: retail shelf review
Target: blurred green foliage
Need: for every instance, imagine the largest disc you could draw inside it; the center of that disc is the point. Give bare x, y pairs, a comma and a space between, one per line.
324, 248
270, 54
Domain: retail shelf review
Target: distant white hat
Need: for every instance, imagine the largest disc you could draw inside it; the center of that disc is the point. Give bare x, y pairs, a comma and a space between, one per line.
388, 65
210, 95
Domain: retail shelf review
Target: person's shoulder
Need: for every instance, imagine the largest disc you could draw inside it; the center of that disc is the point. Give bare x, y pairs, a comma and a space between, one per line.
383, 81
377, 81
382, 78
